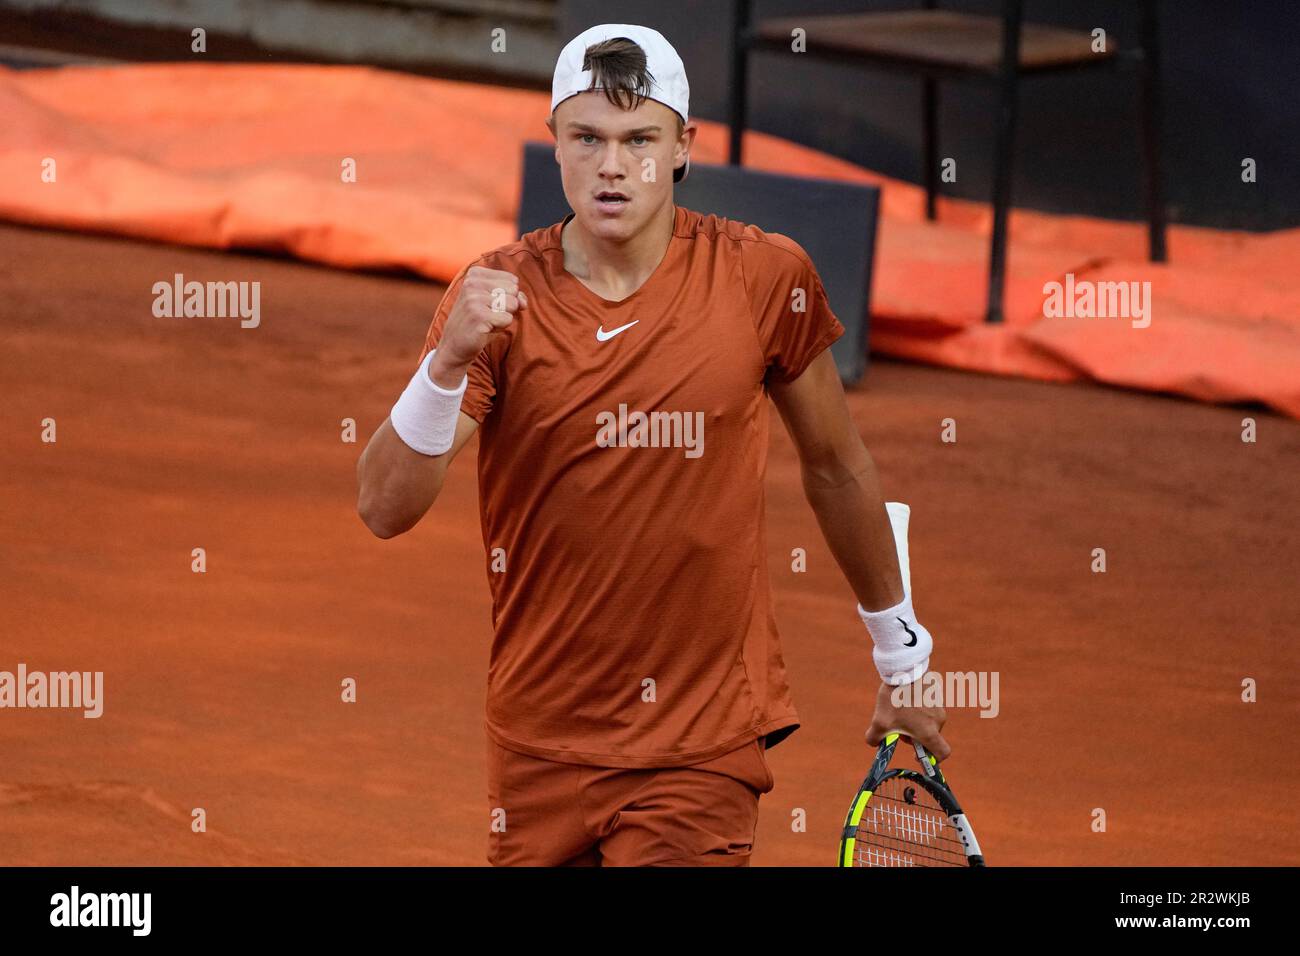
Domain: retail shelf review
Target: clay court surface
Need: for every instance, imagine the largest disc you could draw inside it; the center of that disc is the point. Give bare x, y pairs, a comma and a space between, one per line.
1119, 691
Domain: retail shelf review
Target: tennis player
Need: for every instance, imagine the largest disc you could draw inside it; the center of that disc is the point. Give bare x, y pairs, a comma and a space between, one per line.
617, 367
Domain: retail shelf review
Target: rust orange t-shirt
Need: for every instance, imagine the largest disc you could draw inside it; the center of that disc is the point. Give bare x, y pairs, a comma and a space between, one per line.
622, 452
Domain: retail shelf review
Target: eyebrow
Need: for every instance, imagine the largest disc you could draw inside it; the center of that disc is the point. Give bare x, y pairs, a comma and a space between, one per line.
639, 131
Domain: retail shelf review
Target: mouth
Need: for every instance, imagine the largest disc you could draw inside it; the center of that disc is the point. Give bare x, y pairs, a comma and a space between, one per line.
611, 201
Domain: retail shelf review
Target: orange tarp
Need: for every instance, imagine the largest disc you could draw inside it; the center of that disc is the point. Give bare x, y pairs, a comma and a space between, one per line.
251, 156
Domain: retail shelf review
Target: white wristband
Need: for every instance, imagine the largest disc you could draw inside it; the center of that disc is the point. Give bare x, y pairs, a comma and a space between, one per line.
903, 645
425, 416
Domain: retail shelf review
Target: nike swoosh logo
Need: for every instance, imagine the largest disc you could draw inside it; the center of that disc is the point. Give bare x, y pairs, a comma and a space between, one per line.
912, 642
603, 336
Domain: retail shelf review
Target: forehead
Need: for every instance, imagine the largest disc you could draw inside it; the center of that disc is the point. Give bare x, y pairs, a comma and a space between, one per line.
593, 108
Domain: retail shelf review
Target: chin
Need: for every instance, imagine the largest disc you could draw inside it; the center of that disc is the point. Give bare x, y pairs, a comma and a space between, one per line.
598, 225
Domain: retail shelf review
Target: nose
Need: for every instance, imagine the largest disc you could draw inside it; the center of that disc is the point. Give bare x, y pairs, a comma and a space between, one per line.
611, 161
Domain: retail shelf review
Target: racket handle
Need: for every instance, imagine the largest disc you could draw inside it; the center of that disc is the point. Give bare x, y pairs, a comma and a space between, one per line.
923, 755
928, 763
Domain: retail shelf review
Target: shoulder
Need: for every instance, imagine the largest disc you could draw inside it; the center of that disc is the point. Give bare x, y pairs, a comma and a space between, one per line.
759, 250
523, 254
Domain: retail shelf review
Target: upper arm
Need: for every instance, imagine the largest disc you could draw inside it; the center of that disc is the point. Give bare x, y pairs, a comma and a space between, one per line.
792, 315
817, 416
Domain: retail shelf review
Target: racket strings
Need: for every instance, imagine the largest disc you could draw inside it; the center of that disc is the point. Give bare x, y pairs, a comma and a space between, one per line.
903, 825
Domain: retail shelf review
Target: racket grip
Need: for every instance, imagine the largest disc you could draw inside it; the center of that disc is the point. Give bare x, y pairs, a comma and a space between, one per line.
923, 755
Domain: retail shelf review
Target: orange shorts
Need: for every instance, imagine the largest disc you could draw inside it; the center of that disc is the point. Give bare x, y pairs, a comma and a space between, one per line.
546, 813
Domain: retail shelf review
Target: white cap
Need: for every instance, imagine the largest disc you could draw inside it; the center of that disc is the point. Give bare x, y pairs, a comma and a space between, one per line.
668, 85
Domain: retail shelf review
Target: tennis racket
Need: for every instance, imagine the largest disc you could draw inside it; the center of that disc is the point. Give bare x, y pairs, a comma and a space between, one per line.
904, 818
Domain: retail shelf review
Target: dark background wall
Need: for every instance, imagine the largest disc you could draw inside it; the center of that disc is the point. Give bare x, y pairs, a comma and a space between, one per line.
1231, 83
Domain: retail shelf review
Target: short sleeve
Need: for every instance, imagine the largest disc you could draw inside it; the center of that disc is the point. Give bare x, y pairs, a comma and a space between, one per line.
792, 315
481, 390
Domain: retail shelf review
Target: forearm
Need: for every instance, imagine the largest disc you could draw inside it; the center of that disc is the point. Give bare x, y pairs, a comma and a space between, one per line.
401, 470
396, 485
846, 496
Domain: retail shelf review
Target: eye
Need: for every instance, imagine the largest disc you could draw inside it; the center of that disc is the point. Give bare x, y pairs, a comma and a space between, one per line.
644, 141
586, 136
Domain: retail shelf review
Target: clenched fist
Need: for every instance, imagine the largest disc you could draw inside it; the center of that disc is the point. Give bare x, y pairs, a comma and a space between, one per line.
488, 301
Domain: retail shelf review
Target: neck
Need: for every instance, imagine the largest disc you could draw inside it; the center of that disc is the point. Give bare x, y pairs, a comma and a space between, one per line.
617, 267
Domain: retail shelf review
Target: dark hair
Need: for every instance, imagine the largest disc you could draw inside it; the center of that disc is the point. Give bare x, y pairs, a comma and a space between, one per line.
618, 65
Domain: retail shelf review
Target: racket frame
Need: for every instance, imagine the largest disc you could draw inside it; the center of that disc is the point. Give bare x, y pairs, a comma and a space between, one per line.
931, 780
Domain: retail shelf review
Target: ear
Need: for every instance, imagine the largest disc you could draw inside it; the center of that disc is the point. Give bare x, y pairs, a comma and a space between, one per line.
680, 152
689, 131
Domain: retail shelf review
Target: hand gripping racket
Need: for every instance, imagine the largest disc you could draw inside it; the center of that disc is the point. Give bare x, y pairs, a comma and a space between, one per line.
904, 818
